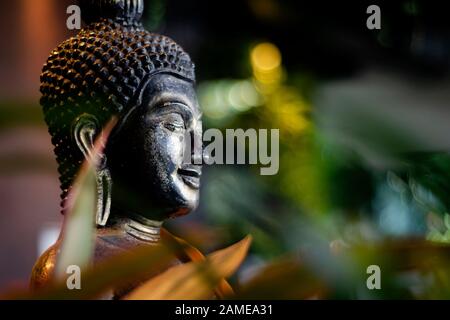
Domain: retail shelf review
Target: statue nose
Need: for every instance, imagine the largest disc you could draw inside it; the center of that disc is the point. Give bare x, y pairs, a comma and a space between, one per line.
206, 156
197, 158
196, 148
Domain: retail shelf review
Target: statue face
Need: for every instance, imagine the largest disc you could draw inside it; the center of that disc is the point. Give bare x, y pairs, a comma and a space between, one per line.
145, 153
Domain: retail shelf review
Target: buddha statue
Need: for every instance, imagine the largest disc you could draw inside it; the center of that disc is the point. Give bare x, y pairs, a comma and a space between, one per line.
115, 68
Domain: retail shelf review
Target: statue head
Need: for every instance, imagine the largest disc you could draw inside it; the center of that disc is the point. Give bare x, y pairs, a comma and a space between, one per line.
115, 68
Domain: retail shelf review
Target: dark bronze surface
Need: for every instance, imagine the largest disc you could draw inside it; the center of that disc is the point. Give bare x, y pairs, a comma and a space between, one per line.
114, 67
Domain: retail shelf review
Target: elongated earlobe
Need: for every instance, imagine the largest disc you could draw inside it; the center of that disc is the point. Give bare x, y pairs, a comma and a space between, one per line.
104, 189
85, 131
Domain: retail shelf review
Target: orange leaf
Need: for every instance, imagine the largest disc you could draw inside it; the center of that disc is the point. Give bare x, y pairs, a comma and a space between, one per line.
194, 280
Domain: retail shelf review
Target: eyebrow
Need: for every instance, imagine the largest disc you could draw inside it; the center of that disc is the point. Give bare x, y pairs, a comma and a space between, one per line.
160, 100
177, 107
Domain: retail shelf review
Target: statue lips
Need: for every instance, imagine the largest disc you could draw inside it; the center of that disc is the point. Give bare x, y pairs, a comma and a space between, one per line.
191, 176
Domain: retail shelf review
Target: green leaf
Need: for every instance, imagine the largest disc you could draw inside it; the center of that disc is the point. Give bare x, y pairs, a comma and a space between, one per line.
78, 235
79, 229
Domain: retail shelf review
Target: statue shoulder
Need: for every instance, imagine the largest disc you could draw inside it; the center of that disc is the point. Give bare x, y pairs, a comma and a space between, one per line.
43, 268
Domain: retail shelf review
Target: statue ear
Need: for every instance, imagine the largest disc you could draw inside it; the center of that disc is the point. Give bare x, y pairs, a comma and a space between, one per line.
85, 129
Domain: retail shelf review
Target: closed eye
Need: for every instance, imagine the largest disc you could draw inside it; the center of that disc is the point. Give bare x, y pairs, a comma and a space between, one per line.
179, 108
173, 121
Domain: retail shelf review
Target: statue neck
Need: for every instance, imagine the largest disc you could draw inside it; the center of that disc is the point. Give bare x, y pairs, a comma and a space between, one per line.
140, 228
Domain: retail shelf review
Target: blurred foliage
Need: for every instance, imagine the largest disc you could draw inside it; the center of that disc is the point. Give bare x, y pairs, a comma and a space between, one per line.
13, 114
365, 188
193, 280
325, 196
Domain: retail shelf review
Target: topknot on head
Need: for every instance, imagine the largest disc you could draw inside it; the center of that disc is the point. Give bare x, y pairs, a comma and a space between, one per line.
126, 12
